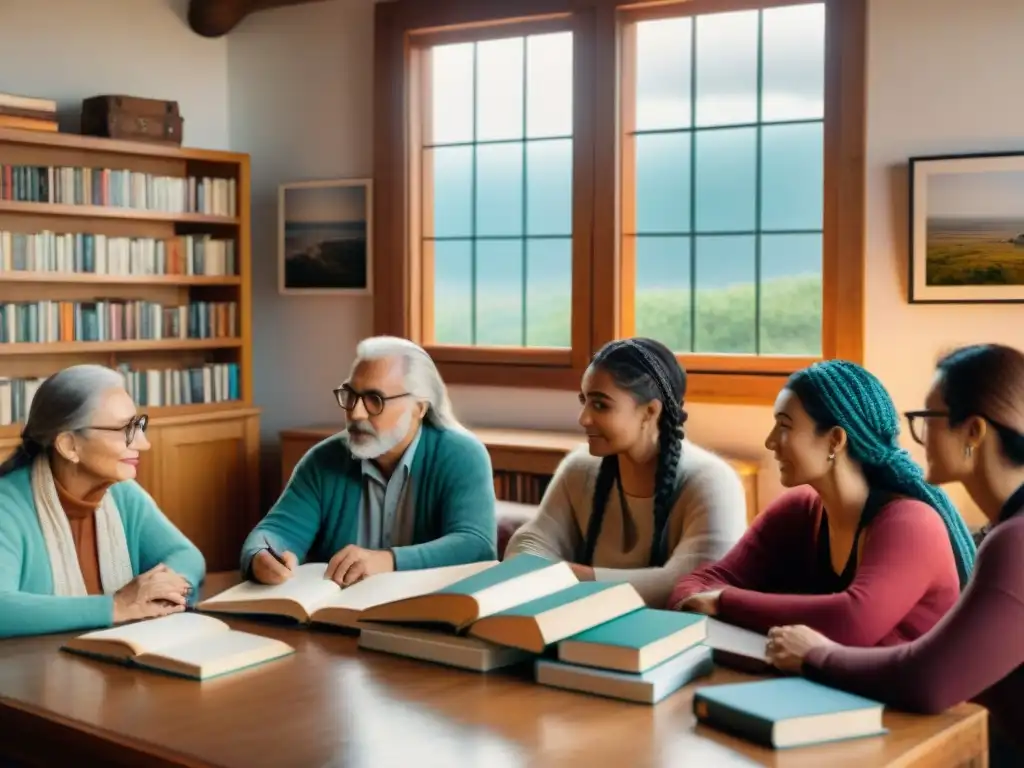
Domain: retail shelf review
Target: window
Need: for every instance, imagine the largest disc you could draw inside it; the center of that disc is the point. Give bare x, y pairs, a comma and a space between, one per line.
551, 174
496, 149
723, 165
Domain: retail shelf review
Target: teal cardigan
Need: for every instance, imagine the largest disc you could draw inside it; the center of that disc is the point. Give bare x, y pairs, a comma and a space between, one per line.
453, 486
27, 603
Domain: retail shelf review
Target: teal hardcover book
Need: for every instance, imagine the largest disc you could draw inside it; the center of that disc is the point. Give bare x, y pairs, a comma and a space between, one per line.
787, 712
536, 624
515, 581
648, 687
635, 642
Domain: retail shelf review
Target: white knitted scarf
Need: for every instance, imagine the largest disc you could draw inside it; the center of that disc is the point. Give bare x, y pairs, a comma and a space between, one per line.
111, 545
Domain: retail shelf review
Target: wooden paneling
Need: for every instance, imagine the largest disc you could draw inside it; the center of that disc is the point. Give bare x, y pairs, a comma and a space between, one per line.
207, 475
526, 451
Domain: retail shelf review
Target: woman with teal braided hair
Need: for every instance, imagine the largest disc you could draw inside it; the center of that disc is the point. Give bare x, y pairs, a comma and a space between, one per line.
861, 548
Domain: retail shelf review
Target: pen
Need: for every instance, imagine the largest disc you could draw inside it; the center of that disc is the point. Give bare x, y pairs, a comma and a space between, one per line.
273, 553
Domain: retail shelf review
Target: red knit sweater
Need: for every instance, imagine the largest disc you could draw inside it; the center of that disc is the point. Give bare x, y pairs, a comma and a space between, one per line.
905, 582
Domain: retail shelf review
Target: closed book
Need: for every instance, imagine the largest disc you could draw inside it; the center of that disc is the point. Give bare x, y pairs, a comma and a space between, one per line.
184, 644
787, 712
635, 642
648, 687
535, 625
512, 582
308, 597
738, 648
440, 647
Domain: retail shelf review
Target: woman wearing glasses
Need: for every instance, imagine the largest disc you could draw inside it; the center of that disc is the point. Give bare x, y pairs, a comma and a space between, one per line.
82, 545
861, 547
972, 428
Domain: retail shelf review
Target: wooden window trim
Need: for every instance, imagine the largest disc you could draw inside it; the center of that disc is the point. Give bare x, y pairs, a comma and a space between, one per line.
402, 285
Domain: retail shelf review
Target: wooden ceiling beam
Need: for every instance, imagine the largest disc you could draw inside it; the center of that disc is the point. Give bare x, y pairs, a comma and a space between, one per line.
215, 18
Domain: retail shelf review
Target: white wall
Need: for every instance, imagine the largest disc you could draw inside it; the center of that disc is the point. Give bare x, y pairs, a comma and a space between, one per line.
301, 102
72, 49
942, 80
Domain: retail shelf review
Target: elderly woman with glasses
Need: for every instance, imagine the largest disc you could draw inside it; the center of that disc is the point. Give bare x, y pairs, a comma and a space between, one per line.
82, 545
403, 487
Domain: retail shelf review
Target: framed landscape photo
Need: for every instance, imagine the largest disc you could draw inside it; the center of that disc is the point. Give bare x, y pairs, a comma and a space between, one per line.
325, 237
967, 228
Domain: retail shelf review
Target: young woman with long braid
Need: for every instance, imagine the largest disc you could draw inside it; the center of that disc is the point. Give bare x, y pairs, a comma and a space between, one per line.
861, 548
972, 428
639, 503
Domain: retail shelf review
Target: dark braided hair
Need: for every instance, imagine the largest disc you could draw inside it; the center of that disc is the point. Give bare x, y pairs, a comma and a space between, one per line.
647, 370
838, 393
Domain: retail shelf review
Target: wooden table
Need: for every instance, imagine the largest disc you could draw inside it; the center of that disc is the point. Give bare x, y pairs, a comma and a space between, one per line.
334, 705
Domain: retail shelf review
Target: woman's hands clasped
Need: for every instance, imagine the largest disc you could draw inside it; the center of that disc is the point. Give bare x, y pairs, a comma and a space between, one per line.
157, 592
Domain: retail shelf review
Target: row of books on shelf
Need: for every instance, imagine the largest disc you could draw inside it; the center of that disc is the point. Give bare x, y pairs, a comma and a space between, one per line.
79, 252
153, 387
120, 188
593, 638
41, 322
521, 487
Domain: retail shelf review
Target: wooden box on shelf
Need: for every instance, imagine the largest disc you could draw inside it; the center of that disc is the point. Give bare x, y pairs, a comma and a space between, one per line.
137, 256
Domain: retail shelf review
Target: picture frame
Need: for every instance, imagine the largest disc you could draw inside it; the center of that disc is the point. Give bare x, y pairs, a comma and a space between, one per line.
325, 237
966, 228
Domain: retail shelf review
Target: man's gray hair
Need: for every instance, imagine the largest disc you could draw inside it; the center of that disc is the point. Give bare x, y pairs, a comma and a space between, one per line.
422, 379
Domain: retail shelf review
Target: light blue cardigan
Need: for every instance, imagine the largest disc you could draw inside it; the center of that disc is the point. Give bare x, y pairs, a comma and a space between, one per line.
27, 603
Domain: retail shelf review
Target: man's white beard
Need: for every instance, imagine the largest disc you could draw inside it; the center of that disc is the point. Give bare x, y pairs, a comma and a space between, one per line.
365, 446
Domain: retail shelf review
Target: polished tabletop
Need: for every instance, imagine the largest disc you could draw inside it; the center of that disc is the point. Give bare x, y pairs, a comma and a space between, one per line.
332, 704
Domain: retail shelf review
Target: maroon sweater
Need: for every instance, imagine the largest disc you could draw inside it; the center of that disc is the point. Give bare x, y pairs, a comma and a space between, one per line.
905, 582
975, 652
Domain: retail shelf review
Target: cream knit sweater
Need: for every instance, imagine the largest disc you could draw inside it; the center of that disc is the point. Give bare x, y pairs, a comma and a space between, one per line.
709, 516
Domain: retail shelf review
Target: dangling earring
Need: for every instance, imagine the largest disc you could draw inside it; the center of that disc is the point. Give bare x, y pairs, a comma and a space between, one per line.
832, 457
968, 451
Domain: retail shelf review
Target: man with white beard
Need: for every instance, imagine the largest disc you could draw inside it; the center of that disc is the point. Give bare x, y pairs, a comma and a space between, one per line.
403, 487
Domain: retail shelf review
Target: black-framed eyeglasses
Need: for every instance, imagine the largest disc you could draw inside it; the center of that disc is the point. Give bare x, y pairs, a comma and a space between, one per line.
916, 421
132, 428
374, 401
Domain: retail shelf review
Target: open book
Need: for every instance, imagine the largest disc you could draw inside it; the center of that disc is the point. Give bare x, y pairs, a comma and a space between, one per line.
184, 644
308, 597
513, 582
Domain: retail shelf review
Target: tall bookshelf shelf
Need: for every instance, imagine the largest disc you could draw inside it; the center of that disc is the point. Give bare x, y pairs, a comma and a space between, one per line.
138, 256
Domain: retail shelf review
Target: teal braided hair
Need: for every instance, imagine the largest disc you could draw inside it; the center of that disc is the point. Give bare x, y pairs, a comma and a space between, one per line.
841, 393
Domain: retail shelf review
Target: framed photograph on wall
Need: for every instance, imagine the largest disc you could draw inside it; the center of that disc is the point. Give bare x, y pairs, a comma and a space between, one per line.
967, 228
325, 237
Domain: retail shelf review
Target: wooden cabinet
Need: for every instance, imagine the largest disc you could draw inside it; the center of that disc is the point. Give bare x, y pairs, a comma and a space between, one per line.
203, 472
526, 452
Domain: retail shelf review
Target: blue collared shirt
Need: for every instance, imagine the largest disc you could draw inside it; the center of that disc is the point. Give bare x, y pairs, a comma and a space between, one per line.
387, 516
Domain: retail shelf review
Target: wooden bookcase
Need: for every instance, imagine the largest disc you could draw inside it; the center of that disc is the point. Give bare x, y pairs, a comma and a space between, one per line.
203, 466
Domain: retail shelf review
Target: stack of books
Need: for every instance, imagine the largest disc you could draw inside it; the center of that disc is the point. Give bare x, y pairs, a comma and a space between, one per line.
27, 113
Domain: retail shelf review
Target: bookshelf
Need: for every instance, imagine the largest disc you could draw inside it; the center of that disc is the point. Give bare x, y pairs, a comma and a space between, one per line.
138, 256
